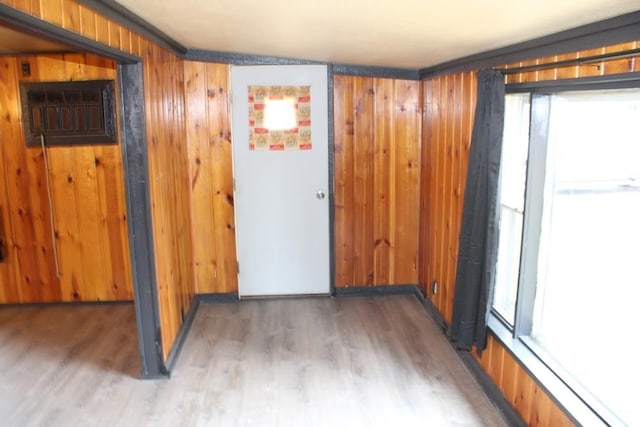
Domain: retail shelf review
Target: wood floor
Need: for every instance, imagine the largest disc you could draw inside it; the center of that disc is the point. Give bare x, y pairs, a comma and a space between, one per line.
360, 361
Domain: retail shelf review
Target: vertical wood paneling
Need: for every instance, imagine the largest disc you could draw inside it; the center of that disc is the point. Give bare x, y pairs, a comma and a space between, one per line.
169, 186
363, 195
449, 103
9, 269
383, 180
377, 158
344, 110
211, 178
168, 169
408, 126
88, 193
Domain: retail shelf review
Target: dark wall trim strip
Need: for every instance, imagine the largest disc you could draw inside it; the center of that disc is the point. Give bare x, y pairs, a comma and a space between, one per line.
380, 72
128, 19
492, 391
182, 334
218, 298
359, 291
32, 25
138, 198
241, 59
572, 62
340, 69
612, 81
620, 29
330, 188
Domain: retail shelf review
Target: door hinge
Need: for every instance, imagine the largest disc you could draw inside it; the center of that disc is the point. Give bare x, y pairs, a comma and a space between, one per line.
231, 98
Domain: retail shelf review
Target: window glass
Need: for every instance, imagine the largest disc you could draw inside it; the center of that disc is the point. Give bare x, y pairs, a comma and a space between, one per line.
512, 184
588, 283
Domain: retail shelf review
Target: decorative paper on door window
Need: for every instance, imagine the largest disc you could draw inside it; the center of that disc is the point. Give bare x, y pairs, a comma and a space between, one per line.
279, 118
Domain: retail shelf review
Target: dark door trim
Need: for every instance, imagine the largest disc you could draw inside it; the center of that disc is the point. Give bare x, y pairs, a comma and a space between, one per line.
138, 196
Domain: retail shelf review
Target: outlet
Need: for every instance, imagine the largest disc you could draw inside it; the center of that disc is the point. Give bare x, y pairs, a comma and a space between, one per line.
434, 287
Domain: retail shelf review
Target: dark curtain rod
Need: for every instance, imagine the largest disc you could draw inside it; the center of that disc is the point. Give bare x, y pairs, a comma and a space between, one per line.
571, 62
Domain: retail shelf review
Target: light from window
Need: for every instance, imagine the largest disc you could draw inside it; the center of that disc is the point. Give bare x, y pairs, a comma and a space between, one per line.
583, 223
280, 114
512, 183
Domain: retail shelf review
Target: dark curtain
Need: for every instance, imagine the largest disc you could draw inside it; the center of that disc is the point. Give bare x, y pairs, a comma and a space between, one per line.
478, 241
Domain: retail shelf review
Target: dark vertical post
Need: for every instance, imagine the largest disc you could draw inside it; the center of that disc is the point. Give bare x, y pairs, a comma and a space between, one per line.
332, 252
134, 151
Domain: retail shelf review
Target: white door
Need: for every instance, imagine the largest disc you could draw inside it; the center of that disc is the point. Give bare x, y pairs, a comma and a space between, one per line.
280, 159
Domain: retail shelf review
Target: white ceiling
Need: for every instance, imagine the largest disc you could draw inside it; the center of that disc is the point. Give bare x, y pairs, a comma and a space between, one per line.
399, 33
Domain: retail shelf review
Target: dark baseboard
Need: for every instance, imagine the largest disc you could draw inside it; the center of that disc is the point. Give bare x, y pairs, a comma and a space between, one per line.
508, 412
182, 335
360, 291
511, 417
225, 298
64, 304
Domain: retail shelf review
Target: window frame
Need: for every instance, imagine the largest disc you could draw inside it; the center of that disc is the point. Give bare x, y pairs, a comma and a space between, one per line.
577, 401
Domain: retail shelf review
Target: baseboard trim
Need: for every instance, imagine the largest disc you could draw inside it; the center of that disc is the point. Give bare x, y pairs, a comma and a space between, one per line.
182, 335
226, 298
506, 410
361, 291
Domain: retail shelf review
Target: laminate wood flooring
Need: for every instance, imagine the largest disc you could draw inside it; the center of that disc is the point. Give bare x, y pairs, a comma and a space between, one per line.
359, 361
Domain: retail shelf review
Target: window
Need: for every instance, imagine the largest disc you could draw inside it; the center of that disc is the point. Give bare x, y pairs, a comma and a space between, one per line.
567, 281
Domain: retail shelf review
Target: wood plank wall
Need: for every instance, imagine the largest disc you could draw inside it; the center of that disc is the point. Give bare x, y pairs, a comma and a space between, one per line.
448, 105
377, 164
168, 159
211, 177
376, 180
88, 200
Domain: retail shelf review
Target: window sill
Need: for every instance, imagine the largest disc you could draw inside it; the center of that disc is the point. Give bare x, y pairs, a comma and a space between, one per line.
579, 412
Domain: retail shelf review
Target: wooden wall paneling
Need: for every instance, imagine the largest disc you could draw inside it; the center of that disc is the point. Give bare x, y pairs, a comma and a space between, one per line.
92, 239
71, 17
52, 11
344, 179
407, 181
450, 101
87, 22
24, 5
168, 162
384, 181
221, 158
363, 170
426, 173
102, 29
169, 186
10, 291
439, 200
625, 65
211, 176
29, 214
200, 178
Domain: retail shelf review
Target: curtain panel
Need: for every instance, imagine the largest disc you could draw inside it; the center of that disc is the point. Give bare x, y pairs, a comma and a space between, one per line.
478, 240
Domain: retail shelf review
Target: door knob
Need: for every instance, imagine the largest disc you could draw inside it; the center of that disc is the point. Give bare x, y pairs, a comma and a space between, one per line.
320, 195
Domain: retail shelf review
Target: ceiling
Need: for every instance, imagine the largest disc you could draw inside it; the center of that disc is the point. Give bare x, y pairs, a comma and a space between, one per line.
13, 42
399, 33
